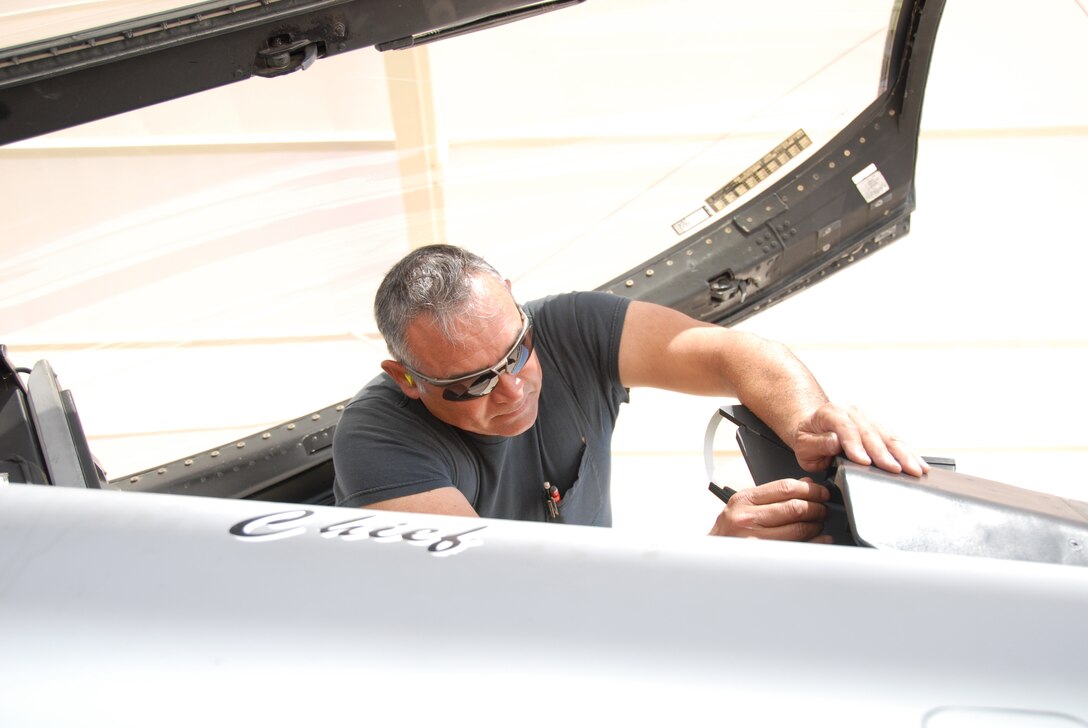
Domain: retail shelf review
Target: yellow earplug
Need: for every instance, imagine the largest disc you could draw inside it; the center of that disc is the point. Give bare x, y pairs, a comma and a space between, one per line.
408, 378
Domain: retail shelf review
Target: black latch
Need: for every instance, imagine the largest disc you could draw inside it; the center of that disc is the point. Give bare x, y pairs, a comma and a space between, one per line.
285, 54
727, 287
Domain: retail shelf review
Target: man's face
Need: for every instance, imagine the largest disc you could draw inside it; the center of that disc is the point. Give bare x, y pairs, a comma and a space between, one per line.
485, 339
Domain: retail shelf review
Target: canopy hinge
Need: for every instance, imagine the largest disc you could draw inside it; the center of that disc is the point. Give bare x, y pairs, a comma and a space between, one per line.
285, 54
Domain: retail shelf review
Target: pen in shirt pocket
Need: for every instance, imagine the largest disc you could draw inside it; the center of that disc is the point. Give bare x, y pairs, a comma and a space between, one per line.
551, 499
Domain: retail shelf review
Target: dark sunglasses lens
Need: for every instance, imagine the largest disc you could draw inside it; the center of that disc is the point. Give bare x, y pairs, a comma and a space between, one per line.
521, 354
470, 388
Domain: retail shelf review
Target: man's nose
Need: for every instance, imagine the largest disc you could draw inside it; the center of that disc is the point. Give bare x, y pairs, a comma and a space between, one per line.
509, 386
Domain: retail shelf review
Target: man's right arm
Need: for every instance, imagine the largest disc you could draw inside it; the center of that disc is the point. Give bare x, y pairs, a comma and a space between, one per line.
446, 501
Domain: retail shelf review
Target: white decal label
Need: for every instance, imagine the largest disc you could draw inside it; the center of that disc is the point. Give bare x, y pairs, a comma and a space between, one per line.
871, 183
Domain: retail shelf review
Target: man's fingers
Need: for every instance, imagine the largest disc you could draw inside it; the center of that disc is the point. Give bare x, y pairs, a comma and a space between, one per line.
861, 439
777, 515
829, 431
785, 510
855, 436
790, 532
778, 491
826, 444
912, 464
778, 509
875, 443
814, 452
886, 450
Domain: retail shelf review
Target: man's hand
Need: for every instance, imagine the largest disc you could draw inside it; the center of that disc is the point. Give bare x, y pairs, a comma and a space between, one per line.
832, 430
784, 510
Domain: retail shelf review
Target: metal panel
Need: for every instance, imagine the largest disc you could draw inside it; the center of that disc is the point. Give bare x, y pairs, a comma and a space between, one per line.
170, 611
72, 80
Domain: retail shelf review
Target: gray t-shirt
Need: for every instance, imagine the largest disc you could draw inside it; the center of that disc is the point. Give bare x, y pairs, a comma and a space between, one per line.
388, 445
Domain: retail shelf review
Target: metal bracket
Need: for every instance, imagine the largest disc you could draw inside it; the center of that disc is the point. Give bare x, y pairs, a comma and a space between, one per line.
726, 287
319, 440
284, 55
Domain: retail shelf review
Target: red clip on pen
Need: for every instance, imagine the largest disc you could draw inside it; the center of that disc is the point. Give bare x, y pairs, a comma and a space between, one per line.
551, 499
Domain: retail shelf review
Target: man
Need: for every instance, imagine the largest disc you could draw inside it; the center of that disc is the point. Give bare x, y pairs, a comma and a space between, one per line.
493, 409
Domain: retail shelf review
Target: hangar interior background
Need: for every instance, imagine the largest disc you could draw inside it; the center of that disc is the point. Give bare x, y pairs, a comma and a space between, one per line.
203, 269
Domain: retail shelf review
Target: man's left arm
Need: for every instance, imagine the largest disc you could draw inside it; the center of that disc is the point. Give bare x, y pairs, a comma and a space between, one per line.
663, 348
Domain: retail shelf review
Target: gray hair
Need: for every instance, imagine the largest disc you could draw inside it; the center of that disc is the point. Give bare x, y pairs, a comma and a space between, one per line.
436, 281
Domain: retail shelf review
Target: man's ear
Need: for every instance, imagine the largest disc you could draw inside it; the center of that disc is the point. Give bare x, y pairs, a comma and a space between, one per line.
401, 376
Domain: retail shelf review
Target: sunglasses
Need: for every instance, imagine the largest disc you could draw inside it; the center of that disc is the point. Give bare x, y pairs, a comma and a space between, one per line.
480, 384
